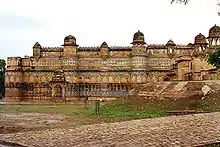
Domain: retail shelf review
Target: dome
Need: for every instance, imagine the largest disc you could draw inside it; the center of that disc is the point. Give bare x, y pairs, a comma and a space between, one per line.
214, 32
70, 37
104, 45
200, 39
170, 43
138, 38
70, 41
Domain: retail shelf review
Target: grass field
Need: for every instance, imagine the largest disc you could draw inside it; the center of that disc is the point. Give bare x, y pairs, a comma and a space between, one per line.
130, 108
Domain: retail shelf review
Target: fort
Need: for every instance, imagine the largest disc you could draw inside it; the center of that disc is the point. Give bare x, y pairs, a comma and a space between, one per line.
72, 72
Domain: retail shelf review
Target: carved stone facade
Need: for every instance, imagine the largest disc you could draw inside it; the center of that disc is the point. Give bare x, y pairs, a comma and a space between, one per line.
72, 72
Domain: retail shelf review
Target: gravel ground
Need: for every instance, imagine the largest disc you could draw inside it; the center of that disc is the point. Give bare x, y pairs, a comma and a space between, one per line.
187, 130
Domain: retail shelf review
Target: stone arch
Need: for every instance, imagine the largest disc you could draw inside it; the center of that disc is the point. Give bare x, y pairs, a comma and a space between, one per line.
133, 79
98, 79
58, 90
105, 80
117, 79
111, 80
139, 79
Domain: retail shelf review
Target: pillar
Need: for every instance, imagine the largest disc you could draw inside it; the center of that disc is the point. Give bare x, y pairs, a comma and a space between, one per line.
63, 91
53, 91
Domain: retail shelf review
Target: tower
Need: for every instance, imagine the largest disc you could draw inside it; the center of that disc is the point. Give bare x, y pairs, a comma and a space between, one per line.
104, 50
170, 48
199, 55
200, 45
13, 82
70, 46
138, 58
36, 49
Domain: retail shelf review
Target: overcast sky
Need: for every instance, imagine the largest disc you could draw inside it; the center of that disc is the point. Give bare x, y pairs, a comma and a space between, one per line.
23, 22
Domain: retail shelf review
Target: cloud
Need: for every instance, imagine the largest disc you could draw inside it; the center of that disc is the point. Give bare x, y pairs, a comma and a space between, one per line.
16, 22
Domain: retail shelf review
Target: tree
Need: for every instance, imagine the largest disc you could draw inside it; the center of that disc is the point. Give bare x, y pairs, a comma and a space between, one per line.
180, 1
214, 58
186, 2
2, 77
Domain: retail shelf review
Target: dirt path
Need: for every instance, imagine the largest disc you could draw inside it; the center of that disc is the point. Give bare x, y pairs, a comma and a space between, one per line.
167, 131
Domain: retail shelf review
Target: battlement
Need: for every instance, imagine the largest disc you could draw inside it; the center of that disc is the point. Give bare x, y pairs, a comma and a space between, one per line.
92, 48
14, 58
13, 61
114, 48
51, 49
156, 46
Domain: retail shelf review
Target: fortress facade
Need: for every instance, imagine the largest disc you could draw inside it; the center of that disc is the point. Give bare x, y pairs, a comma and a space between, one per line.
106, 72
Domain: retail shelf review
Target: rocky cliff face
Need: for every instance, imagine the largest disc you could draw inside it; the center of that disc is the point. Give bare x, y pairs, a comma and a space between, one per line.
176, 89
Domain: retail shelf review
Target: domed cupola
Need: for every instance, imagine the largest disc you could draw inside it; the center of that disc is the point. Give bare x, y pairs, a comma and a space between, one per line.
170, 48
214, 32
200, 39
170, 43
70, 41
138, 38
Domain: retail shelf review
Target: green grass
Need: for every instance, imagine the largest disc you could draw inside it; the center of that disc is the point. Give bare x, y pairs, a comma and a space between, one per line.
115, 109
121, 109
124, 109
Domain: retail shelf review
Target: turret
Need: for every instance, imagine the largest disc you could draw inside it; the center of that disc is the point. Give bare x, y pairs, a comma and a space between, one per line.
139, 60
36, 49
13, 79
104, 50
70, 46
214, 36
200, 45
170, 48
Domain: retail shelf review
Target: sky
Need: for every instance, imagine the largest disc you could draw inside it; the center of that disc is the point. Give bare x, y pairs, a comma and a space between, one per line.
24, 22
